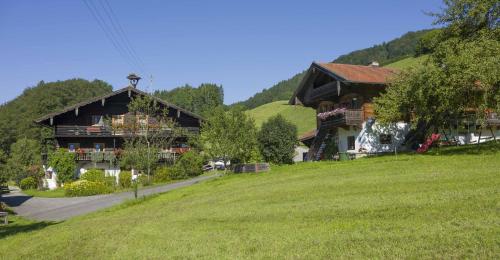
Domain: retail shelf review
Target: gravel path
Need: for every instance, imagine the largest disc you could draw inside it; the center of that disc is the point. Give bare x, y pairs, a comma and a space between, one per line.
57, 209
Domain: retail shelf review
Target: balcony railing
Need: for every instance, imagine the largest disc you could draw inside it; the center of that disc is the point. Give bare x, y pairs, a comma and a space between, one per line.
342, 117
104, 156
103, 131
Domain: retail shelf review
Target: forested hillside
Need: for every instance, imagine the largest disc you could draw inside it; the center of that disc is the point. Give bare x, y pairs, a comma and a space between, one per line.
17, 116
385, 53
200, 100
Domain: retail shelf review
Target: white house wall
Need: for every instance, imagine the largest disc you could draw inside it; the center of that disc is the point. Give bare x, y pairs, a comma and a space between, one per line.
367, 138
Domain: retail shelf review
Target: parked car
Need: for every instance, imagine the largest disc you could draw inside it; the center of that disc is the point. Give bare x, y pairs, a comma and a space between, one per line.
219, 165
207, 167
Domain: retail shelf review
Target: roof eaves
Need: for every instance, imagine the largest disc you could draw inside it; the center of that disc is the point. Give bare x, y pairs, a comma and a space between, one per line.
119, 91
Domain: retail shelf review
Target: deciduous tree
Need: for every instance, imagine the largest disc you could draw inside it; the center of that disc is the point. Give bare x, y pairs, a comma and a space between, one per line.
229, 135
277, 140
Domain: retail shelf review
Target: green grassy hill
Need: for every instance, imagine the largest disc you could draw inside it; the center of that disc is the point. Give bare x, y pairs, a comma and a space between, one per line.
303, 117
409, 206
408, 62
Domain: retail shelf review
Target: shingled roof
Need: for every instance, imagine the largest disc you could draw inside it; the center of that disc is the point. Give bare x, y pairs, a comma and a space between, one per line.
359, 73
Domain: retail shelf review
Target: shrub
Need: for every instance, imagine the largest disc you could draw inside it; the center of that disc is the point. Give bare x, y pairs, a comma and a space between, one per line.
63, 162
277, 139
125, 179
28, 183
162, 174
143, 179
93, 175
110, 181
85, 188
189, 165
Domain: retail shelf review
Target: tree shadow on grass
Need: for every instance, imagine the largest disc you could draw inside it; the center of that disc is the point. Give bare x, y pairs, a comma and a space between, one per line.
491, 147
16, 226
20, 225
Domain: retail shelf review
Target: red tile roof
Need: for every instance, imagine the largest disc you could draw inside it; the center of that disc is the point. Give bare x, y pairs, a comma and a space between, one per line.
359, 73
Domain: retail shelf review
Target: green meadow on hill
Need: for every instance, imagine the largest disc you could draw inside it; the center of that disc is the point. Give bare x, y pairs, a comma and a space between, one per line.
443, 204
303, 117
408, 62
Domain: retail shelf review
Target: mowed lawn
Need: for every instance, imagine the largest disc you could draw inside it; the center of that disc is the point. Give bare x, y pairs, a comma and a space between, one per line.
409, 206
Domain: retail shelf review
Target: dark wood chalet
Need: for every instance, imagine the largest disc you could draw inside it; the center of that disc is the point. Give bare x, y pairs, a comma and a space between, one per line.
81, 128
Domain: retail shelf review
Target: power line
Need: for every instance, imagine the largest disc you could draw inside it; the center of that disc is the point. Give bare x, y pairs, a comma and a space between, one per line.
123, 33
97, 18
110, 34
108, 10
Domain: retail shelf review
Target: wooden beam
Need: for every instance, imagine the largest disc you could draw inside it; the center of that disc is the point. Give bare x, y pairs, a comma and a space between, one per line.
103, 101
178, 113
51, 120
76, 111
129, 93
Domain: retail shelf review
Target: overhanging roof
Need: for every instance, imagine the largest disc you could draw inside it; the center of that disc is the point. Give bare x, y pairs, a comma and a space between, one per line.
114, 93
348, 73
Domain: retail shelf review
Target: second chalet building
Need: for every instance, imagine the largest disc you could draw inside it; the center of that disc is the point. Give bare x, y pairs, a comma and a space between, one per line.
342, 96
94, 126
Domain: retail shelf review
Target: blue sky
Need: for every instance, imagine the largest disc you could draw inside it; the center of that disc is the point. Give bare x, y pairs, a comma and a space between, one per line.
244, 45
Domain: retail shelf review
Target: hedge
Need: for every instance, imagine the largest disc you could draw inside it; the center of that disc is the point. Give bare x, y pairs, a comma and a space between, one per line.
93, 175
85, 188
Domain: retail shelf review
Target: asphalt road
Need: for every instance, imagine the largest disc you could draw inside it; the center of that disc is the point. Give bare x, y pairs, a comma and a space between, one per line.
57, 209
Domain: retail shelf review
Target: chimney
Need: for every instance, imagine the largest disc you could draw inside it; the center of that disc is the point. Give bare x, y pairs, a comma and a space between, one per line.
374, 64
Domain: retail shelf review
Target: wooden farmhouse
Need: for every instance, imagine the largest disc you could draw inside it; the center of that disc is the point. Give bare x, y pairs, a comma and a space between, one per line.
94, 126
342, 95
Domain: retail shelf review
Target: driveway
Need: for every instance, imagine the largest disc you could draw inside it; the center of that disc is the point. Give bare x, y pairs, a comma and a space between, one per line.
57, 209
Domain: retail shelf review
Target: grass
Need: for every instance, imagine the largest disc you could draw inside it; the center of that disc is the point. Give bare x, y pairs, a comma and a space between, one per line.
57, 193
408, 62
444, 204
304, 118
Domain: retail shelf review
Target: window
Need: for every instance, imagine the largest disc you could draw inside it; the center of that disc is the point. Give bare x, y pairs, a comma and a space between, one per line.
117, 120
97, 120
351, 142
99, 147
73, 146
385, 139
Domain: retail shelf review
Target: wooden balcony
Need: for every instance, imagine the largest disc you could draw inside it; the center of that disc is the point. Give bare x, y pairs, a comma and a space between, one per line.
105, 156
103, 131
345, 117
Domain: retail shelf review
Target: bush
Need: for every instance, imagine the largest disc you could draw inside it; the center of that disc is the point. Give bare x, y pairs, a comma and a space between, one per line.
162, 174
125, 179
110, 181
63, 162
189, 165
85, 188
277, 139
93, 175
28, 183
143, 179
